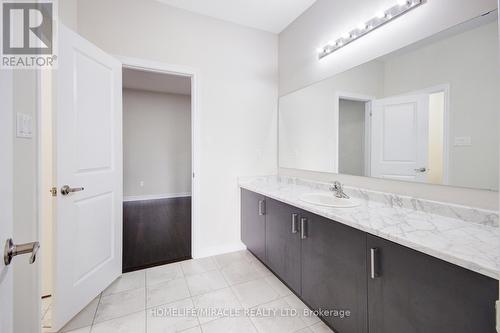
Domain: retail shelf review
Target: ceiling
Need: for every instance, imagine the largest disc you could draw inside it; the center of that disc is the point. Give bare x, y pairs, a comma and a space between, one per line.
269, 15
156, 82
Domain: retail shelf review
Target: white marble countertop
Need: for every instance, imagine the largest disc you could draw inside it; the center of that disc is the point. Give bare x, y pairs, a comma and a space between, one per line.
403, 220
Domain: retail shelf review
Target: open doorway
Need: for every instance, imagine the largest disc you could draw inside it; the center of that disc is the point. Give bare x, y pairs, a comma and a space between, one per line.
158, 126
353, 151
156, 168
354, 133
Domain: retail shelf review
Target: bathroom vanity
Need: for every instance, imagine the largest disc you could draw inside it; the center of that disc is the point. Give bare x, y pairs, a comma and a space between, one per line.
394, 264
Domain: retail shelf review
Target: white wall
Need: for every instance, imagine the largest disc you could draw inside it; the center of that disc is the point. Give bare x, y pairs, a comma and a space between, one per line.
327, 19
306, 119
238, 94
68, 13
156, 144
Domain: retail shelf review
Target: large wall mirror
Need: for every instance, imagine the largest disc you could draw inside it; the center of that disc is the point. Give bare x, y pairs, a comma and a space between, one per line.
425, 113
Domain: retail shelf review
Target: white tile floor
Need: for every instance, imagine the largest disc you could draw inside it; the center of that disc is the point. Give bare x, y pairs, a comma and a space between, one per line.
143, 301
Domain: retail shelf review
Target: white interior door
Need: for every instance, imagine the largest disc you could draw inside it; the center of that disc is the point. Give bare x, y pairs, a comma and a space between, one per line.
88, 138
400, 138
6, 199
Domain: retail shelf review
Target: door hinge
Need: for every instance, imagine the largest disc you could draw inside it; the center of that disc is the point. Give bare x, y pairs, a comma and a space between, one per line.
53, 191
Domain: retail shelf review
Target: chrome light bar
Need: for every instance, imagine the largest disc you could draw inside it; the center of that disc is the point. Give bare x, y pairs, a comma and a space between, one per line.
403, 7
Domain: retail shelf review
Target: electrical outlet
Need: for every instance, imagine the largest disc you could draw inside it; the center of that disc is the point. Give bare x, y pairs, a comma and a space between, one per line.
141, 183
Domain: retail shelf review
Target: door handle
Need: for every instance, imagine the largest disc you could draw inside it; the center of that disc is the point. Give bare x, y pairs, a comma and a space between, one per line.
262, 207
65, 190
295, 223
374, 264
421, 170
303, 228
12, 250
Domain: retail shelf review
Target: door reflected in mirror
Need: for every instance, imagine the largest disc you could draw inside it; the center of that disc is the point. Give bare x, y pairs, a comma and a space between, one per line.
425, 113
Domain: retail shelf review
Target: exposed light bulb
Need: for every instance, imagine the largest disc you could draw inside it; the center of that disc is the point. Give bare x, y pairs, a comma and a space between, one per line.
381, 18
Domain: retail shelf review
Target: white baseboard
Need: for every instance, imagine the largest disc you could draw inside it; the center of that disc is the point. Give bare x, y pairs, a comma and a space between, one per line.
220, 249
156, 196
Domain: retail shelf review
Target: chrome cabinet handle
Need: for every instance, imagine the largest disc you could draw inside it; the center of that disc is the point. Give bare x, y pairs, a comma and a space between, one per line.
295, 223
12, 250
374, 265
303, 228
421, 170
65, 190
262, 207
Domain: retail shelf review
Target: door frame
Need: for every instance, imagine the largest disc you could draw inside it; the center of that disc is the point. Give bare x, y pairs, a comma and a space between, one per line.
367, 99
165, 68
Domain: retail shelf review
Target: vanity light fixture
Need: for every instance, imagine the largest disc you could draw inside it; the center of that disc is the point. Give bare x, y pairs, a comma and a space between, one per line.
381, 18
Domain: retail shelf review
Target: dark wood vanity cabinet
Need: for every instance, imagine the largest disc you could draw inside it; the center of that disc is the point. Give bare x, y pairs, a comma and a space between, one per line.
283, 243
334, 272
253, 223
415, 293
367, 283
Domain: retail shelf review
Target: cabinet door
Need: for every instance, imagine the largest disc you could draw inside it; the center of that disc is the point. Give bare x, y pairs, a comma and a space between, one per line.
334, 272
283, 242
253, 223
415, 293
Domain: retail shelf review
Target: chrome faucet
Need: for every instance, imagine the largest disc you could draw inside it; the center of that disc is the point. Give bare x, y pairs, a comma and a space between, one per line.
338, 189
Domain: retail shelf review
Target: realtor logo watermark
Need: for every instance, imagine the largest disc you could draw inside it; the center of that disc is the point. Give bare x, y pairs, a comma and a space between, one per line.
28, 34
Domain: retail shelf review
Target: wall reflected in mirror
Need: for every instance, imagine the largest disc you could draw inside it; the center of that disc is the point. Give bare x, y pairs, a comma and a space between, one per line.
425, 113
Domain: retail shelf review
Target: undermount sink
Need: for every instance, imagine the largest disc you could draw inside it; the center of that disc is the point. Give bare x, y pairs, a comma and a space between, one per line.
328, 200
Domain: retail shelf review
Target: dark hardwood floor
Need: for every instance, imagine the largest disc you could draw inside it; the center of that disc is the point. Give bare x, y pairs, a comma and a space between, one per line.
156, 232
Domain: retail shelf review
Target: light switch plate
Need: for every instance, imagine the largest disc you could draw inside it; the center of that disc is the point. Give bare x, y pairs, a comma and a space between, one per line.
24, 126
463, 141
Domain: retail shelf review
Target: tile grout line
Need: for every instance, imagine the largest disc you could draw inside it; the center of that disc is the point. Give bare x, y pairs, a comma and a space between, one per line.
264, 276
95, 312
250, 319
232, 291
200, 325
189, 292
120, 317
